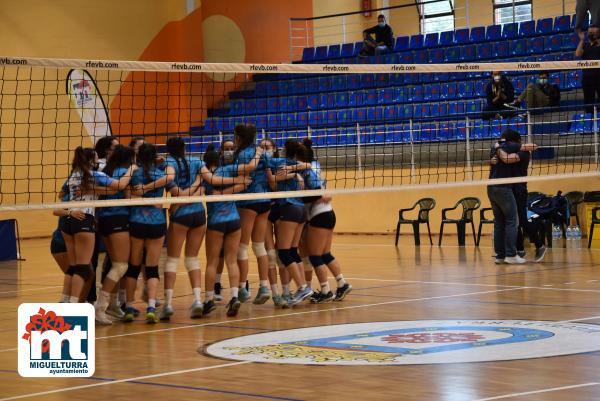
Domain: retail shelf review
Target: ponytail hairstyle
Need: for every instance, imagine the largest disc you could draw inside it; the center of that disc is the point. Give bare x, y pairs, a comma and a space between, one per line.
176, 149
147, 158
82, 162
122, 156
211, 157
245, 135
103, 146
309, 152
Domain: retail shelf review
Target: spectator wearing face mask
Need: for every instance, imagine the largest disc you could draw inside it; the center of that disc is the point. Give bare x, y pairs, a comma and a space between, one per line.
500, 93
384, 38
591, 77
540, 94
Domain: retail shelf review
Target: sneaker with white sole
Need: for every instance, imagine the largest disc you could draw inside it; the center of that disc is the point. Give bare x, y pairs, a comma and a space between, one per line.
166, 312
262, 296
539, 254
300, 295
515, 260
102, 318
499, 261
197, 310
115, 311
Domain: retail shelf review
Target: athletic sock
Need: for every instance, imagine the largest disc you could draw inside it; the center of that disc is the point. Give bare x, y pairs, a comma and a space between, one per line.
122, 296
340, 280
274, 290
102, 302
264, 283
114, 299
168, 296
151, 303
286, 289
64, 298
218, 278
234, 292
197, 292
325, 288
303, 286
73, 300
210, 295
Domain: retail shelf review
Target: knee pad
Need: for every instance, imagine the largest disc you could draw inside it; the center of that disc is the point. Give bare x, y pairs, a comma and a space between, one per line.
171, 265
82, 271
192, 263
117, 271
308, 266
70, 271
286, 256
316, 260
152, 272
327, 258
272, 254
242, 252
133, 271
296, 255
259, 249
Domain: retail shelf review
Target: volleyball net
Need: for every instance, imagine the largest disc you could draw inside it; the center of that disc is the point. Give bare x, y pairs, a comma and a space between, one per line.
374, 127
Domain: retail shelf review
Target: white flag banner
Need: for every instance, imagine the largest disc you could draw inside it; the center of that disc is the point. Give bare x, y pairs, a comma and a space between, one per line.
86, 98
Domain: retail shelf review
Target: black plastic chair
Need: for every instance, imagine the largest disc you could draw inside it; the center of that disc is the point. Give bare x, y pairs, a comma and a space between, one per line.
595, 220
575, 198
483, 220
425, 206
469, 205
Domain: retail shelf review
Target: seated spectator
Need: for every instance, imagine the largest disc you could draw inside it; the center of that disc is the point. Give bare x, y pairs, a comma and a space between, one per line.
540, 94
581, 10
591, 76
500, 93
384, 38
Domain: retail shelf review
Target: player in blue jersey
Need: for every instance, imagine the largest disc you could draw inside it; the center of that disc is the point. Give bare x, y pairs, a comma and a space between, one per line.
319, 234
223, 233
253, 213
187, 221
147, 228
292, 216
85, 184
113, 225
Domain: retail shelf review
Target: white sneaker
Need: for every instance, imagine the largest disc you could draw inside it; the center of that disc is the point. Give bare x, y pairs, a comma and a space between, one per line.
115, 311
102, 318
499, 261
515, 260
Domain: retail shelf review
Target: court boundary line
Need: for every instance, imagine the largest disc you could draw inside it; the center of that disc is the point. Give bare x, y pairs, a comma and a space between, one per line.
126, 380
547, 390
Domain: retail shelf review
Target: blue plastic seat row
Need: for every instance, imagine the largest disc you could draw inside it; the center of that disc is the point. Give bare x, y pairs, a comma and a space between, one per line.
525, 29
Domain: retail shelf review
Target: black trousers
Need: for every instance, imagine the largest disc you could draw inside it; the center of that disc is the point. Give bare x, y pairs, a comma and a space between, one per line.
591, 96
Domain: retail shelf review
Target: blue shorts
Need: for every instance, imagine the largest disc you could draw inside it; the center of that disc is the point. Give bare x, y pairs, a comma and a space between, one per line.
293, 213
258, 207
274, 213
192, 220
226, 227
57, 246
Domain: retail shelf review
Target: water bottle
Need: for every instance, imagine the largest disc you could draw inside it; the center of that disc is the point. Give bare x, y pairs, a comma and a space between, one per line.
556, 232
577, 232
570, 233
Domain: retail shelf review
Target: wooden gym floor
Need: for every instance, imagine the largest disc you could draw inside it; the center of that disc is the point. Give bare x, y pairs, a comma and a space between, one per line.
161, 362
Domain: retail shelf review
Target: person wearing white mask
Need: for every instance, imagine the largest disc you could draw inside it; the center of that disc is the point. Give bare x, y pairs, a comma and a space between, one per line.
540, 94
384, 38
500, 93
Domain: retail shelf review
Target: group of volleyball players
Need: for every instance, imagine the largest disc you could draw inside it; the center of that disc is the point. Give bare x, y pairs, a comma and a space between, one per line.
279, 230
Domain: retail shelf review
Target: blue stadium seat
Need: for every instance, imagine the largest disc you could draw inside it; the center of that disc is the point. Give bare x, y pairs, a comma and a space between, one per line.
473, 106
301, 119
401, 94
500, 49
448, 91
333, 52
312, 85
553, 43
447, 38
456, 108
570, 41
439, 109
480, 130
273, 121
385, 96
426, 78
367, 80
464, 90
416, 42
566, 56
407, 58
468, 53
325, 84
308, 54
548, 57
461, 36
301, 103
573, 79
527, 28
272, 105
353, 81
378, 133
493, 33
344, 116
288, 120
428, 132
581, 123
273, 88
298, 86
562, 24
285, 87
421, 110
359, 114
453, 54
510, 31
436, 56
402, 43
518, 124
420, 57
518, 47
432, 92
477, 35
313, 101
338, 82
250, 106
327, 100
370, 97
347, 50
460, 130
415, 94
405, 111
374, 114
261, 121
356, 98
536, 45
390, 113
331, 117
320, 53
261, 105
519, 83
480, 88
357, 48
497, 126
341, 99
287, 103
236, 107
555, 78
382, 80
410, 78
432, 40
484, 51
396, 78
544, 26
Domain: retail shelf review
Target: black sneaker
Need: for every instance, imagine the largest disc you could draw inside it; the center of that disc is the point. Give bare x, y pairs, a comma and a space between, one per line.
233, 306
218, 288
539, 254
329, 297
314, 298
209, 306
341, 292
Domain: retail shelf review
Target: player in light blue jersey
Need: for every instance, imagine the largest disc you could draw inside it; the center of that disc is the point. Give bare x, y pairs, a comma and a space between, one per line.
223, 233
147, 228
85, 184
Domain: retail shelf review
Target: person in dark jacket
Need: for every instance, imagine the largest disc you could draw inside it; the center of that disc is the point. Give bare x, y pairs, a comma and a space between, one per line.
591, 76
581, 10
384, 38
500, 93
540, 94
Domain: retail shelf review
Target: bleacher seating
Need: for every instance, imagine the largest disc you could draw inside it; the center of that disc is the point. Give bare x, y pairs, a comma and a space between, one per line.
333, 104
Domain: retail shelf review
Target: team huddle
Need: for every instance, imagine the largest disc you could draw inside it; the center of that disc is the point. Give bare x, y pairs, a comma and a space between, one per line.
280, 230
